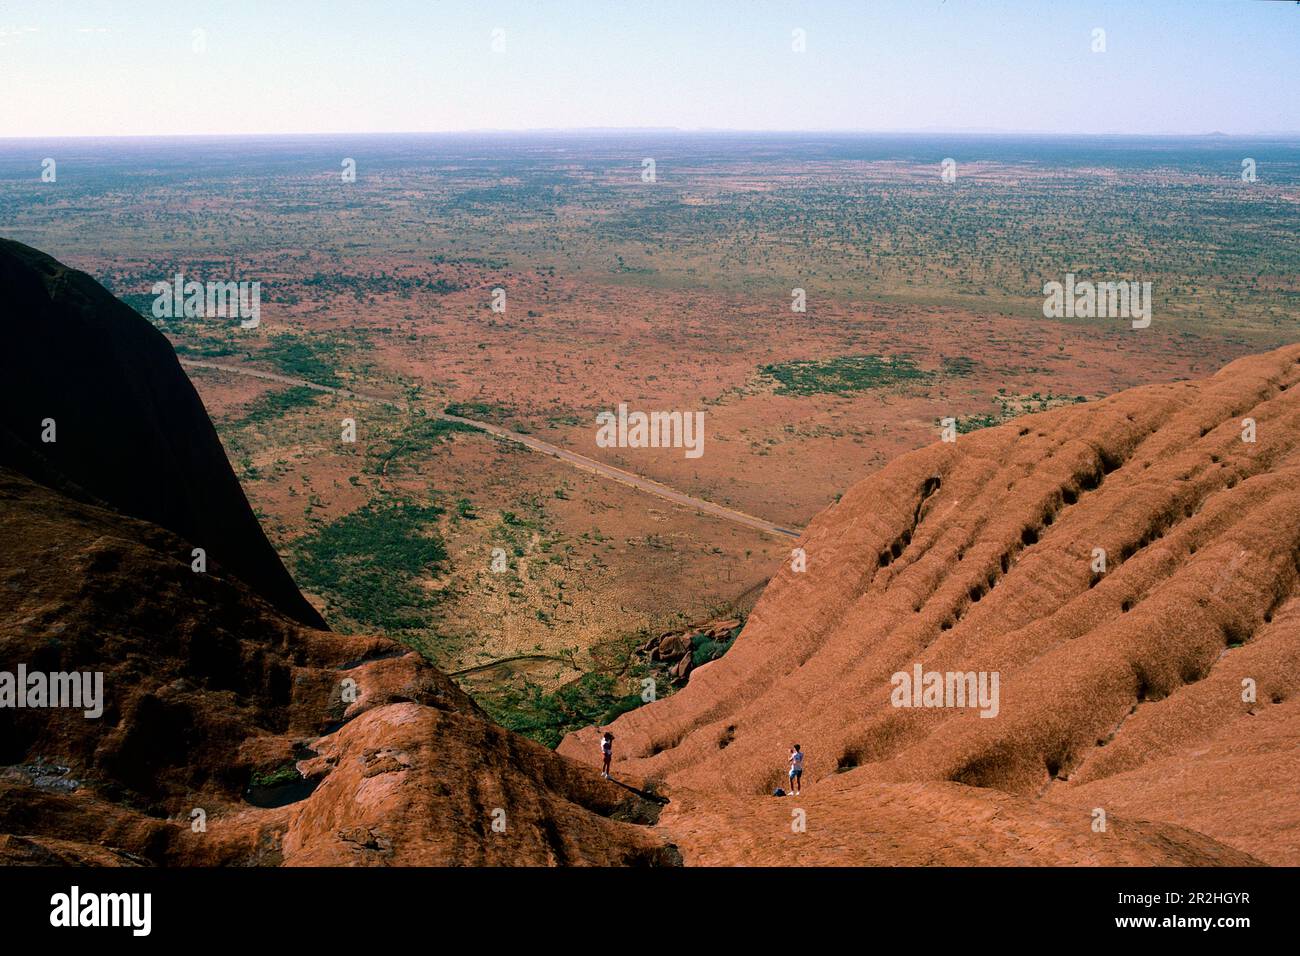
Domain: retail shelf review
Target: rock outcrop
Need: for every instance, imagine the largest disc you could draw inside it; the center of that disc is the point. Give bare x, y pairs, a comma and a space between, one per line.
130, 431
1126, 568
233, 735
674, 654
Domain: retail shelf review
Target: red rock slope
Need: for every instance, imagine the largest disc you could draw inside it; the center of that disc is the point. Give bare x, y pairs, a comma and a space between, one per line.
207, 685
1120, 691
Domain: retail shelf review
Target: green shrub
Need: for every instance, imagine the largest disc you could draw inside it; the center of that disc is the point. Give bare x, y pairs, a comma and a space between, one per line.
367, 564
417, 435
287, 773
705, 649
592, 699
483, 411
846, 373
275, 404
303, 357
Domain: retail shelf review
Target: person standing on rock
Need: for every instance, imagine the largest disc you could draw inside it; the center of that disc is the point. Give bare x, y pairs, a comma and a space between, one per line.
606, 753
796, 769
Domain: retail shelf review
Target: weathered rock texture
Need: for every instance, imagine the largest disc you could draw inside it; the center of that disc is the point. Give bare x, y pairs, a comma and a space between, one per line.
207, 685
1120, 690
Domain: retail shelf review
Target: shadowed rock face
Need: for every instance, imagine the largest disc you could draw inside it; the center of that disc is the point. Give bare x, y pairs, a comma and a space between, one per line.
1119, 689
131, 431
381, 759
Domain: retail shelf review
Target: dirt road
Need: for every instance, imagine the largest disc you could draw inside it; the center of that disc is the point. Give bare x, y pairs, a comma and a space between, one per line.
546, 448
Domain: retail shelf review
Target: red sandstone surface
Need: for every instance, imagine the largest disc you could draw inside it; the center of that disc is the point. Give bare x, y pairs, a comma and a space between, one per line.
1162, 689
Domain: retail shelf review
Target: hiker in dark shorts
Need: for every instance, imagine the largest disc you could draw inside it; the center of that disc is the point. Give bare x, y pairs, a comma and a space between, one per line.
796, 769
606, 753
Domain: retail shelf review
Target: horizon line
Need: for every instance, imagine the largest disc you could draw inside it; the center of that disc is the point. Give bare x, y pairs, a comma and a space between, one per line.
701, 130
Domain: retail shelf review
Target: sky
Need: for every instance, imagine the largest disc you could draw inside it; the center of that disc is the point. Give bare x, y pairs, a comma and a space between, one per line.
148, 67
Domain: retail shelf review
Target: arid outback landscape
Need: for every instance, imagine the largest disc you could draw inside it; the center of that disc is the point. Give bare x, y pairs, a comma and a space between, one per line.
491, 607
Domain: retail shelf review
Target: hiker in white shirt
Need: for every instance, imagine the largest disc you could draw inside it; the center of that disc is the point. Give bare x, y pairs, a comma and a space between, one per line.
796, 768
606, 753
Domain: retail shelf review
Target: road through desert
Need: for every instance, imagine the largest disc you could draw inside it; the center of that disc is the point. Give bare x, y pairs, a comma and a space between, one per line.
546, 448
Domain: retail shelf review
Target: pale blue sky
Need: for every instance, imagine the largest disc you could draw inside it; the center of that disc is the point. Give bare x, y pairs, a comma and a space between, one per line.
105, 67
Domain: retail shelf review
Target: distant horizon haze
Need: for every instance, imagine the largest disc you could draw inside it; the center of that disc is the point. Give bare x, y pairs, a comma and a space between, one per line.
668, 130
89, 68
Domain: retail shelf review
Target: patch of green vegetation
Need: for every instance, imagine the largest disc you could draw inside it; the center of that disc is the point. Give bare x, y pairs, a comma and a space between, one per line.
209, 349
602, 694
142, 302
1013, 407
517, 530
368, 564
1034, 402
971, 423
287, 773
199, 344
275, 405
846, 373
593, 698
314, 358
418, 434
483, 411
958, 365
361, 287
705, 649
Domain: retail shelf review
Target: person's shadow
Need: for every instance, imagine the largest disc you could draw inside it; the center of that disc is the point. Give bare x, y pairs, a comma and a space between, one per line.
643, 794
